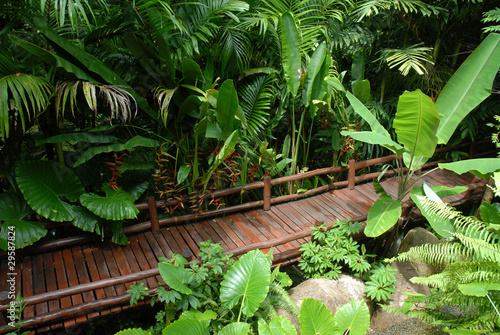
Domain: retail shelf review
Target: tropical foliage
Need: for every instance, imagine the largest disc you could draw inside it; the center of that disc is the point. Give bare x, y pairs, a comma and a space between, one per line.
469, 281
213, 298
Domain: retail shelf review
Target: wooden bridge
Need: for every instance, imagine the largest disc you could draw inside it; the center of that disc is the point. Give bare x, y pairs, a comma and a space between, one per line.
70, 281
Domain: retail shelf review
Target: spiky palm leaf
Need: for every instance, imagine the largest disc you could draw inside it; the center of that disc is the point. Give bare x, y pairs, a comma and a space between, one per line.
25, 95
255, 100
413, 57
74, 11
120, 102
368, 8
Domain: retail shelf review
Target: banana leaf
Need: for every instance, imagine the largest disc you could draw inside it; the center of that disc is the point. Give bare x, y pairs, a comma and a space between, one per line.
382, 216
416, 122
290, 53
468, 87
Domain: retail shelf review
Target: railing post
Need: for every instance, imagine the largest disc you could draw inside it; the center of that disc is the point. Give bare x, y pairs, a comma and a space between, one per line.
188, 255
267, 193
153, 215
352, 173
472, 149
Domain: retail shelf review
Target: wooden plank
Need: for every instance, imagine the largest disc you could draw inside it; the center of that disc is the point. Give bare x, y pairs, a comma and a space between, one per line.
277, 211
158, 252
178, 238
331, 213
113, 269
167, 234
197, 233
337, 202
122, 262
142, 261
69, 265
162, 242
327, 201
29, 311
94, 274
192, 244
83, 277
62, 282
214, 225
277, 222
276, 230
51, 283
263, 230
39, 286
355, 201
148, 253
225, 226
245, 229
104, 273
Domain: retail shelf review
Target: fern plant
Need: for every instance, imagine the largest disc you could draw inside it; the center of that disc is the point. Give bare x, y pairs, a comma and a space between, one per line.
471, 276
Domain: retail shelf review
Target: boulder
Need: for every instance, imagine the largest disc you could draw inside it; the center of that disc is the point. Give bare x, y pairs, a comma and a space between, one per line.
416, 237
333, 293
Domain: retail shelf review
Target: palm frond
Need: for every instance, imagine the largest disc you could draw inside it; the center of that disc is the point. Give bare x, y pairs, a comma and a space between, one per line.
28, 95
73, 11
255, 100
120, 102
163, 96
492, 16
373, 7
413, 57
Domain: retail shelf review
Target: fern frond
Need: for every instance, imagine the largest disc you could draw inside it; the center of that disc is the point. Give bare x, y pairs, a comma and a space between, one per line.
436, 254
483, 250
282, 299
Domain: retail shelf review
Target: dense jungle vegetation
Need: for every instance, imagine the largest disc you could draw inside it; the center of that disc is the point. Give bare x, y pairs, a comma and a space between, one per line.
105, 102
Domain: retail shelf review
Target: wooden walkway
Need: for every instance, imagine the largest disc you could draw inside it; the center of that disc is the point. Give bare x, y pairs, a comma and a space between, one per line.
76, 266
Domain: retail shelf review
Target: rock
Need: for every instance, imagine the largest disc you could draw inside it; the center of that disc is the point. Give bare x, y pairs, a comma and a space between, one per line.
381, 319
416, 237
333, 293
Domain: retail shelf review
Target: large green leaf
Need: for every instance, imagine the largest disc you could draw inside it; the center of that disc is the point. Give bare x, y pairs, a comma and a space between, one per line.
91, 152
362, 111
247, 282
235, 328
313, 70
22, 233
374, 138
44, 185
80, 137
316, 319
116, 205
416, 122
478, 289
86, 220
87, 62
279, 325
187, 327
353, 318
481, 167
141, 141
174, 277
227, 106
469, 86
382, 215
290, 53
56, 61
